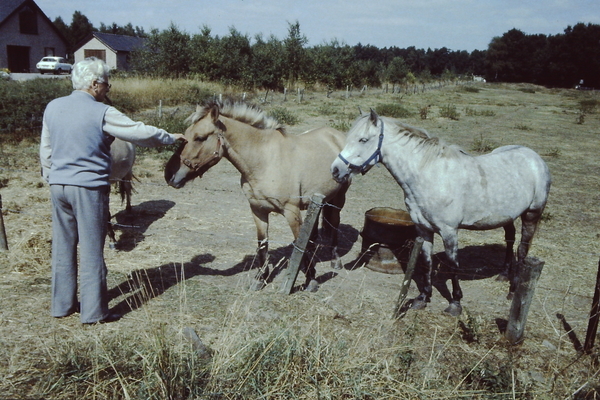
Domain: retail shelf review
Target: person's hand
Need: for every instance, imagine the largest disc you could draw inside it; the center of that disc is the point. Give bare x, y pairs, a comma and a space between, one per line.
180, 136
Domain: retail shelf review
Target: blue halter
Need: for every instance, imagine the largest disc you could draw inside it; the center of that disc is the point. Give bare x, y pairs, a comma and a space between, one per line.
365, 166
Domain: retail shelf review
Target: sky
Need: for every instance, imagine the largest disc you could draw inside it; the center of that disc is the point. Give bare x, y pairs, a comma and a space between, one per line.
455, 24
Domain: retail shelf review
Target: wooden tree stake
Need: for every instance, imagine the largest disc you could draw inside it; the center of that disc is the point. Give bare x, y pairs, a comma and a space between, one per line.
590, 336
301, 242
3, 242
412, 262
529, 274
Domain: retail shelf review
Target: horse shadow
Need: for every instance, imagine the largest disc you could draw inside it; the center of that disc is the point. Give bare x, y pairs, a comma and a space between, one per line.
142, 285
133, 224
280, 256
476, 262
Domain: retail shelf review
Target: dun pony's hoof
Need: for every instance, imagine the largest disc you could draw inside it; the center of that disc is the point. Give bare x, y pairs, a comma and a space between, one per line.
312, 286
454, 309
112, 246
257, 285
419, 304
502, 277
510, 295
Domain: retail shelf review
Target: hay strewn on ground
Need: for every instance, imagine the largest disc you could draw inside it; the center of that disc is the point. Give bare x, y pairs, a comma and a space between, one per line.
184, 253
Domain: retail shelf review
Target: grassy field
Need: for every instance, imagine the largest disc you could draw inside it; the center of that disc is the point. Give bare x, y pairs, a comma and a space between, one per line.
183, 257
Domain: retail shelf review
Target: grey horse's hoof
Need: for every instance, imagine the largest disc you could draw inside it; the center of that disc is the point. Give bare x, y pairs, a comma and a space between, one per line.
257, 284
510, 295
502, 277
312, 286
112, 246
336, 264
419, 304
454, 309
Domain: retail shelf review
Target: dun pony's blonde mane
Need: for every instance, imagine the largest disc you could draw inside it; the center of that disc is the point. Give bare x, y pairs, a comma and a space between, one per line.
240, 111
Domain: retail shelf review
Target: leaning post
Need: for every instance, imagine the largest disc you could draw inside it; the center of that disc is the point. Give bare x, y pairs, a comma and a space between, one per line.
3, 242
590, 336
301, 242
410, 268
530, 271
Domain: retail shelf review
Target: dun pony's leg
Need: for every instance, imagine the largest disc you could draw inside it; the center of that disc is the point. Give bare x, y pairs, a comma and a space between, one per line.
426, 287
509, 237
331, 224
451, 247
311, 284
261, 219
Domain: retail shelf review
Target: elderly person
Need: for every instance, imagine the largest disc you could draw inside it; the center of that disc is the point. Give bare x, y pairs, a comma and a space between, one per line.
77, 133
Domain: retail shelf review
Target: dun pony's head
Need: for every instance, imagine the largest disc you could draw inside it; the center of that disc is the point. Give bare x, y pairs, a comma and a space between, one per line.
204, 147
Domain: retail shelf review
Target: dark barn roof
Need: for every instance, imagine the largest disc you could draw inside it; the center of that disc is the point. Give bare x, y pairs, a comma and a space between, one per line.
117, 43
10, 7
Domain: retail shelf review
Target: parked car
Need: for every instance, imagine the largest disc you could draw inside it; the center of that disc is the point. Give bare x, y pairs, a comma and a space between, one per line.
56, 65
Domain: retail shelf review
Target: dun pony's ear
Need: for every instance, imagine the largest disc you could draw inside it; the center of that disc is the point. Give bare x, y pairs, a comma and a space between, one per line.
214, 113
360, 111
374, 117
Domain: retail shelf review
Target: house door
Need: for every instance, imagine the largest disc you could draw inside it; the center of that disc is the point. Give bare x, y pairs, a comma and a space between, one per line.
18, 58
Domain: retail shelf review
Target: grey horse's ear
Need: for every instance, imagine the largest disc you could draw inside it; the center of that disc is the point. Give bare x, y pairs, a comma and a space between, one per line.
374, 117
360, 111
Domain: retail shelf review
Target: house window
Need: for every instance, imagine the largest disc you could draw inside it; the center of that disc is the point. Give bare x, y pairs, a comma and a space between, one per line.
101, 54
28, 21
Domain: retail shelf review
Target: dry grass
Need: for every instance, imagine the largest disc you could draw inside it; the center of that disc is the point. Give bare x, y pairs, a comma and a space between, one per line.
182, 265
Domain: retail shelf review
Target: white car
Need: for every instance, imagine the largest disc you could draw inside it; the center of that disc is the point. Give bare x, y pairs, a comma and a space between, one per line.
56, 65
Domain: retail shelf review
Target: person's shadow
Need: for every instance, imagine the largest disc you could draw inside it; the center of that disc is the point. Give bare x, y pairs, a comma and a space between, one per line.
134, 224
143, 285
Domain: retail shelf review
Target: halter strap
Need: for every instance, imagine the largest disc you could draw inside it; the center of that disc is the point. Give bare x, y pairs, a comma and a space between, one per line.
216, 154
375, 156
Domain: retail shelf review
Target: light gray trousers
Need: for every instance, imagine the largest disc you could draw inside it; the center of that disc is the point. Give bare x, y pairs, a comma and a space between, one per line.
79, 216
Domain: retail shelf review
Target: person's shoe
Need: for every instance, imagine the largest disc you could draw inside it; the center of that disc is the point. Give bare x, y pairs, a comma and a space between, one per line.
109, 318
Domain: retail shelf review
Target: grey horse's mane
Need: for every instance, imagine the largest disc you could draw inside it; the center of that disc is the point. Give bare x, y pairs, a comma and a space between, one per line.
431, 146
240, 111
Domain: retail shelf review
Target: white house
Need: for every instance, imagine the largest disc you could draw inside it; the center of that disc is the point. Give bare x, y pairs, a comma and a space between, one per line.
113, 49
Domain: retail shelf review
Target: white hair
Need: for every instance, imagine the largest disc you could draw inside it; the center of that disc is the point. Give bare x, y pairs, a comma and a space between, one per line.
87, 71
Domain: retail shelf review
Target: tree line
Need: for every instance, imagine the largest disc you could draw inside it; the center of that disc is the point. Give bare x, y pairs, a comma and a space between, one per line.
562, 60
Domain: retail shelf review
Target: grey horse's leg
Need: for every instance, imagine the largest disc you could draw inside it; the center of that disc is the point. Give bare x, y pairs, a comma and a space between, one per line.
508, 266
529, 220
426, 288
451, 248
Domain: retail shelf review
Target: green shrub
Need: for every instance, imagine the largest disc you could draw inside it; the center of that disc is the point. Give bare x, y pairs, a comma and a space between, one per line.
393, 110
470, 89
284, 116
23, 104
588, 106
449, 111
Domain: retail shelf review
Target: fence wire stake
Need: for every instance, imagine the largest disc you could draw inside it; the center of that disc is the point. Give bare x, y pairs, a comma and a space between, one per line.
312, 215
3, 242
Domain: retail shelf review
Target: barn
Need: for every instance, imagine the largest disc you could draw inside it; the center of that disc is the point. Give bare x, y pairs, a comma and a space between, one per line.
115, 50
27, 35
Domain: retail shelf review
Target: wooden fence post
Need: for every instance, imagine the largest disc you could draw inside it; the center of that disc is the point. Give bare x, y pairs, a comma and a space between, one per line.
301, 242
412, 262
590, 336
530, 272
3, 242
